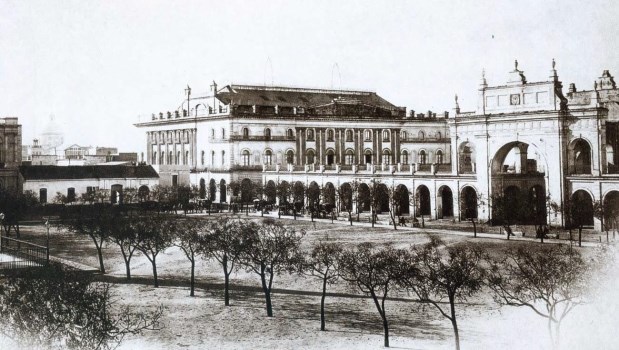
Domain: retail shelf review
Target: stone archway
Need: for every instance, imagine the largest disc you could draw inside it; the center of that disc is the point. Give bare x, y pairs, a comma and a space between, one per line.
364, 197
202, 190
298, 193
581, 208
423, 202
223, 189
212, 190
270, 192
383, 198
143, 193
328, 194
611, 210
402, 200
346, 197
446, 200
468, 203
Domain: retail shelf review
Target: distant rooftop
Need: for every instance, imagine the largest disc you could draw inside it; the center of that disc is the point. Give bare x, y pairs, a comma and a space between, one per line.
294, 97
74, 172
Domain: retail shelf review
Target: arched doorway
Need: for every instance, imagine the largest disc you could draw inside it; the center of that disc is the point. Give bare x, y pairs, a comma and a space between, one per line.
518, 177
367, 156
346, 197
143, 193
402, 200
284, 192
223, 191
537, 205
468, 205
313, 194
298, 192
202, 191
446, 200
328, 195
212, 190
246, 190
116, 194
270, 192
423, 201
611, 210
383, 198
363, 197
581, 209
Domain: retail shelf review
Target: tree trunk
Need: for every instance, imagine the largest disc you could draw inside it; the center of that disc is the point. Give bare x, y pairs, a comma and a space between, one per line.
386, 328
154, 262
322, 303
193, 276
580, 236
373, 217
128, 268
224, 264
454, 322
474, 228
99, 252
226, 289
267, 295
127, 263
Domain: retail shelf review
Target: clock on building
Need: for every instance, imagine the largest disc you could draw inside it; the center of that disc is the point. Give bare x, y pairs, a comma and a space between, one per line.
514, 99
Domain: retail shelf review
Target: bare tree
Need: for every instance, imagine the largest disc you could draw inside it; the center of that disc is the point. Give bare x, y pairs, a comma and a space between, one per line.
124, 235
153, 237
551, 281
222, 240
58, 309
322, 262
95, 221
186, 235
451, 274
375, 272
378, 193
271, 250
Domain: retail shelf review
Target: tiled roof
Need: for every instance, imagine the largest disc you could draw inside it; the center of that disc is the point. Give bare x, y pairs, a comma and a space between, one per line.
74, 172
294, 97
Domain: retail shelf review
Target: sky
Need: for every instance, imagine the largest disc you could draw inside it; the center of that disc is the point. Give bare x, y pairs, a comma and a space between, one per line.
97, 65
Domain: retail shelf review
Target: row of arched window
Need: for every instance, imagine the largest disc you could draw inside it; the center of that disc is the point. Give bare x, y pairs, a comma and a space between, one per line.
367, 135
266, 133
349, 157
330, 134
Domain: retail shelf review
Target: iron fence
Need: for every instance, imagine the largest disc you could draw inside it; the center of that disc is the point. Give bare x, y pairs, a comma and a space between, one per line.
17, 254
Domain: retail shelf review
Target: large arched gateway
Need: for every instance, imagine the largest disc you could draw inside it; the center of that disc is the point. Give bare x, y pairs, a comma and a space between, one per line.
446, 200
518, 174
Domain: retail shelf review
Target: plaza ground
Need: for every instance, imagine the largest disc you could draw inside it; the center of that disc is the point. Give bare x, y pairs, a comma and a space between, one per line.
202, 322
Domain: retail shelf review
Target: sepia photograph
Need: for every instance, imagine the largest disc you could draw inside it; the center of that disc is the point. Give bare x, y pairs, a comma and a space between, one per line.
320, 174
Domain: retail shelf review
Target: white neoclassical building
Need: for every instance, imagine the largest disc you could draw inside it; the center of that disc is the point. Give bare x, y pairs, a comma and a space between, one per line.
524, 136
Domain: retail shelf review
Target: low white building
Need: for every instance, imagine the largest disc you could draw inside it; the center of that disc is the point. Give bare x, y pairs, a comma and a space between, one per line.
45, 181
